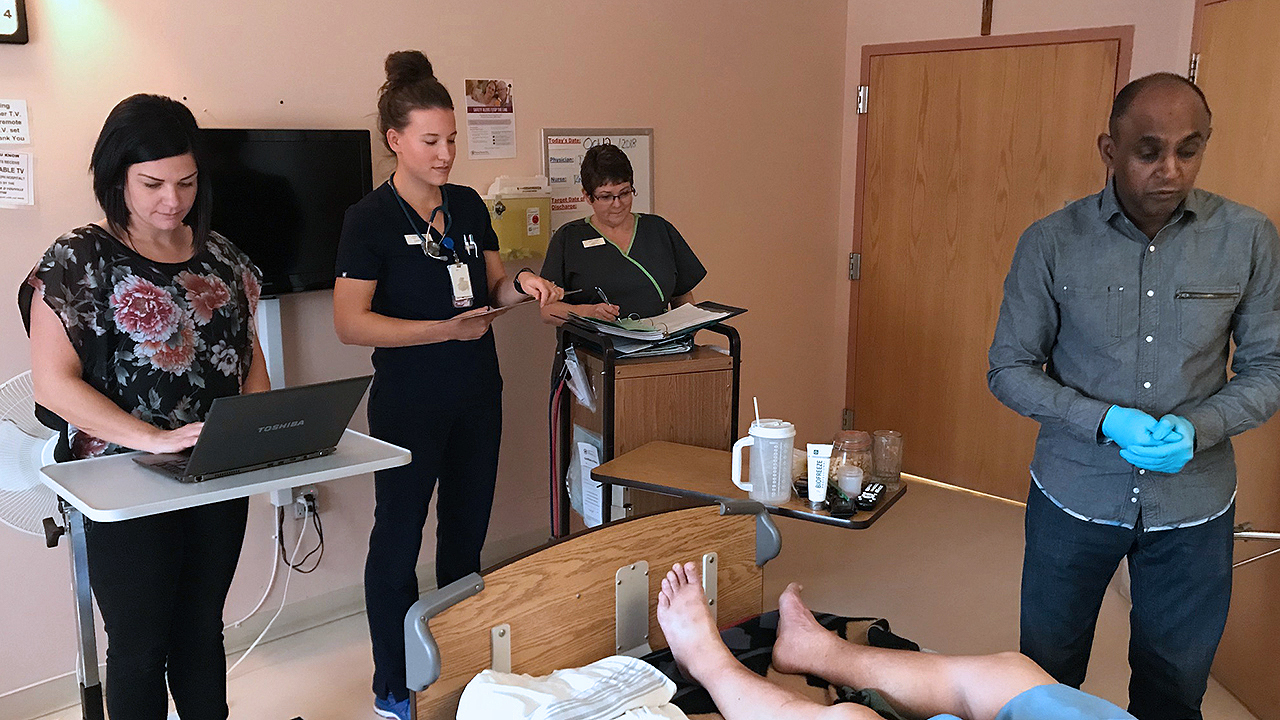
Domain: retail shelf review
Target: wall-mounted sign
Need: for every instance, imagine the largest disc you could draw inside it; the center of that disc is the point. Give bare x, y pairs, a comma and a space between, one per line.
14, 129
15, 179
491, 119
562, 151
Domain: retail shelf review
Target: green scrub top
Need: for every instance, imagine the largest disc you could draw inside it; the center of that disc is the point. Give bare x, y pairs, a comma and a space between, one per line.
657, 267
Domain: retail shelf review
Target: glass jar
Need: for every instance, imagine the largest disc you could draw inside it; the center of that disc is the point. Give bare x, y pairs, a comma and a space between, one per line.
852, 447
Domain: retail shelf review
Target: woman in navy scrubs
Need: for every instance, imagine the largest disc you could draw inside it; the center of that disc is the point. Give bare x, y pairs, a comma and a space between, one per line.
623, 263
417, 267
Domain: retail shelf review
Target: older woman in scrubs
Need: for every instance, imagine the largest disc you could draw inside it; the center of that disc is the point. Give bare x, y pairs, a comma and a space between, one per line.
620, 262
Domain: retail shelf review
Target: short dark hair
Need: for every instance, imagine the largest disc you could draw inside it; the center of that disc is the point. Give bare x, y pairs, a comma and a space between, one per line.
411, 85
142, 128
1130, 92
605, 165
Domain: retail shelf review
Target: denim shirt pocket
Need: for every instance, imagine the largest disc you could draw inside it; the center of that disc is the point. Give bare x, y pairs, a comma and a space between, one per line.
1090, 314
1204, 313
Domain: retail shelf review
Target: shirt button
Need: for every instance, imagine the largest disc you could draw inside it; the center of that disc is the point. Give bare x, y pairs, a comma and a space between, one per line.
1149, 338
1151, 248
1142, 472
1146, 385
1136, 491
1151, 293
1133, 500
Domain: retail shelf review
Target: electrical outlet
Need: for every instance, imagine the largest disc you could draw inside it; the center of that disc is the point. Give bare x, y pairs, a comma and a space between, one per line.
305, 499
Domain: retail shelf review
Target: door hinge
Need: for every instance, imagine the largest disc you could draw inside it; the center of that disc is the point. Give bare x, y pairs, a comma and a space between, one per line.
863, 92
855, 266
846, 420
1194, 70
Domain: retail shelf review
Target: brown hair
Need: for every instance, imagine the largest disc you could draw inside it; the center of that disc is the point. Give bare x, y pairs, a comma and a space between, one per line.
605, 164
411, 85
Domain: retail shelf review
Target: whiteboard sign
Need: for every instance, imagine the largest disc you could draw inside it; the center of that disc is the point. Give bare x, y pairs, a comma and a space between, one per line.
562, 152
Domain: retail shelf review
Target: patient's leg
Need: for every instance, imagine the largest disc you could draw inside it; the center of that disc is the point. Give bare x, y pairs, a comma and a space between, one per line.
739, 694
915, 683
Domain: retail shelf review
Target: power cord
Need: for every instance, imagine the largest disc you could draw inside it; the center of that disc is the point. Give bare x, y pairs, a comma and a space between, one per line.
275, 567
283, 596
317, 524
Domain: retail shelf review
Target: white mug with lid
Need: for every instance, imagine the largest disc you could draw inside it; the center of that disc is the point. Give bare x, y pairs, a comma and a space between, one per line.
771, 442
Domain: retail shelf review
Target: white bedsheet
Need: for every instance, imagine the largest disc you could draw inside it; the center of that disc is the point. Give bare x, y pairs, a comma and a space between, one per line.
615, 687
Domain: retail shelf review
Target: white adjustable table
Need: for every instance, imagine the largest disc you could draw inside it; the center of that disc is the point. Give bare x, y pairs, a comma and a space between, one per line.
115, 488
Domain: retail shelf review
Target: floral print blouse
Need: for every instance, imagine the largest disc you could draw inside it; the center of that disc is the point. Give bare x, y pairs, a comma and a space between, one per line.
161, 340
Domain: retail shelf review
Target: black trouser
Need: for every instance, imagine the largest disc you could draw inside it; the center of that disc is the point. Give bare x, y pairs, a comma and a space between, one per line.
1180, 586
454, 441
161, 583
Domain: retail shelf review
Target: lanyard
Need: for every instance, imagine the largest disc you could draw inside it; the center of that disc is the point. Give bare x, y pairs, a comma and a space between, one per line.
430, 247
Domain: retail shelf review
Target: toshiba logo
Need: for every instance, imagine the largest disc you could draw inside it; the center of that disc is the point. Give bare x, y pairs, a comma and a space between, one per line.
281, 426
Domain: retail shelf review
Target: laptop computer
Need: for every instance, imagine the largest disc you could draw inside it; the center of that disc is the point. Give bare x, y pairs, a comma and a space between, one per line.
259, 430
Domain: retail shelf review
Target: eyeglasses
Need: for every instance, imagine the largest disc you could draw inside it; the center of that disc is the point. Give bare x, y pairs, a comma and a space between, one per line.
607, 198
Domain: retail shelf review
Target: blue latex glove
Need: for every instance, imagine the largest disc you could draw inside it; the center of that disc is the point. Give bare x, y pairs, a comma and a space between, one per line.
1171, 454
1127, 426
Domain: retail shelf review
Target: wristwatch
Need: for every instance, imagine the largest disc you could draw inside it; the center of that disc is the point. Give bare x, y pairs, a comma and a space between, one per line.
515, 281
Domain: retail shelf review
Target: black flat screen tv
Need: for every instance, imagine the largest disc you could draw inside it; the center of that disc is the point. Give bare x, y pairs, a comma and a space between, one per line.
280, 195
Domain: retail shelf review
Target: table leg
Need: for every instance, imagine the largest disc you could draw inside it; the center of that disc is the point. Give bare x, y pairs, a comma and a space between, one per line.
87, 660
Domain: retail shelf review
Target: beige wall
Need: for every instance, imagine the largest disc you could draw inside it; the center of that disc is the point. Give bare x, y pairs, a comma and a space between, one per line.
746, 109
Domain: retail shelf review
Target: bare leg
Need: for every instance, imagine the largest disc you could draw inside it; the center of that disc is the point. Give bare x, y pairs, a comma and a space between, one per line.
916, 684
739, 694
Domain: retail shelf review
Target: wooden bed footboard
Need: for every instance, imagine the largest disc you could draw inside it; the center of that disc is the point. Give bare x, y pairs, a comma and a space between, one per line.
559, 601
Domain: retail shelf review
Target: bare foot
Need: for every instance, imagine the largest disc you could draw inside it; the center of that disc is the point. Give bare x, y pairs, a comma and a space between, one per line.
800, 637
687, 624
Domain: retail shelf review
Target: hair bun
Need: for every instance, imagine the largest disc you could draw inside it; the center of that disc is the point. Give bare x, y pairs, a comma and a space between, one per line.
405, 67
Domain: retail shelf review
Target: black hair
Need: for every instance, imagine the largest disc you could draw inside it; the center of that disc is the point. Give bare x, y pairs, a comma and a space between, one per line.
605, 164
142, 128
1130, 92
411, 85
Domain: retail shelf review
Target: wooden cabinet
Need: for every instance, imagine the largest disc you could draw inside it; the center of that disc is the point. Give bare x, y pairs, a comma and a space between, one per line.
690, 398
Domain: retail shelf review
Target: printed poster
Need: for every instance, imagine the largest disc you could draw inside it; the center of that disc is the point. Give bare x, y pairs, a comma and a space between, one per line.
491, 119
14, 128
15, 179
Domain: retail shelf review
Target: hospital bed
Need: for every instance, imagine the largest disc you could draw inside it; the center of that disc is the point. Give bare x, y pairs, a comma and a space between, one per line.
582, 599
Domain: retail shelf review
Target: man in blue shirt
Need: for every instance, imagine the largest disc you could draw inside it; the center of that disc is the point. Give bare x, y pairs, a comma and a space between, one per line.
1115, 334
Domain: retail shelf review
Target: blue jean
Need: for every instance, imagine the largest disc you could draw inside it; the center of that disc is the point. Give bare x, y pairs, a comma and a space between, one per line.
1180, 586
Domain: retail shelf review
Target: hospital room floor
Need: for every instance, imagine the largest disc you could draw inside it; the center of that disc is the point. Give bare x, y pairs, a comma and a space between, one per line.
943, 566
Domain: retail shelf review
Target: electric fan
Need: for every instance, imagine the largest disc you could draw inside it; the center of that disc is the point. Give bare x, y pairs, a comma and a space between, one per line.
25, 447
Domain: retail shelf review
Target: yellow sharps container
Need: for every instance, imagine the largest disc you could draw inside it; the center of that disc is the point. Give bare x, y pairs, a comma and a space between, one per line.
520, 210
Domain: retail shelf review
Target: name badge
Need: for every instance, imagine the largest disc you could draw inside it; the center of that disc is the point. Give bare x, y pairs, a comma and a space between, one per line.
412, 239
460, 278
593, 242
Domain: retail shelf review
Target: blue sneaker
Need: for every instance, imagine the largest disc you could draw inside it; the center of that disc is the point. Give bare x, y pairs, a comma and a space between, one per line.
389, 707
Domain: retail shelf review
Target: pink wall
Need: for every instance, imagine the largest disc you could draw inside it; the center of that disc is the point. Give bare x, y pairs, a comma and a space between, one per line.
744, 102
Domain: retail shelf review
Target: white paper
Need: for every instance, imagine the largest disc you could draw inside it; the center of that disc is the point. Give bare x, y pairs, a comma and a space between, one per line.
588, 459
491, 119
14, 128
15, 179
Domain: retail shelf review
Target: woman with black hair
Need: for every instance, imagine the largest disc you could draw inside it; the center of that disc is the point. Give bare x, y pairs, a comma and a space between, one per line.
623, 263
143, 319
418, 269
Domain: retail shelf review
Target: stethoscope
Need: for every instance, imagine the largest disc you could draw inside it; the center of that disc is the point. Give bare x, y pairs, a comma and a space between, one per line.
431, 247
